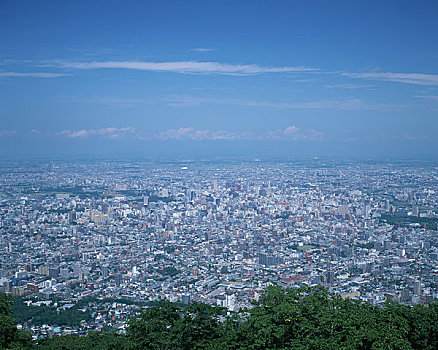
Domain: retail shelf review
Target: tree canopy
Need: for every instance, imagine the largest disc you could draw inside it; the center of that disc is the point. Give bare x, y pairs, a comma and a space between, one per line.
303, 318
10, 336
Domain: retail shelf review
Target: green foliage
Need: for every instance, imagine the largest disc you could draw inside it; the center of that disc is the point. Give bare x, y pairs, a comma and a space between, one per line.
368, 245
200, 326
155, 327
303, 318
94, 340
431, 223
43, 314
10, 336
311, 318
168, 271
167, 326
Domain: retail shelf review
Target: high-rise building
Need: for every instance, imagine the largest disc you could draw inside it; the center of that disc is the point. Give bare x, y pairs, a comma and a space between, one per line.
415, 211
76, 269
192, 195
405, 295
118, 279
417, 287
269, 260
330, 277
53, 271
64, 272
367, 211
104, 270
387, 244
185, 299
230, 300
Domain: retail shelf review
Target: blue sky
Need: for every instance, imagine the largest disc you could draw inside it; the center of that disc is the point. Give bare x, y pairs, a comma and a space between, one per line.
211, 77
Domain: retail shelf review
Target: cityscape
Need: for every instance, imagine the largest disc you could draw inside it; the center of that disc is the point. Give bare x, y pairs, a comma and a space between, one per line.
219, 175
112, 236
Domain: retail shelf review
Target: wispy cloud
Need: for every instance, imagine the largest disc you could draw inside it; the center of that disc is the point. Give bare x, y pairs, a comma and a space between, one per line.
294, 133
6, 133
291, 130
116, 101
193, 134
433, 98
409, 136
187, 101
111, 101
348, 86
185, 67
350, 104
395, 137
183, 134
104, 132
290, 133
202, 49
407, 78
31, 75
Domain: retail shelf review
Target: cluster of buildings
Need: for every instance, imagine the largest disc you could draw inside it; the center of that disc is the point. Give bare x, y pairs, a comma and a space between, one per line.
216, 233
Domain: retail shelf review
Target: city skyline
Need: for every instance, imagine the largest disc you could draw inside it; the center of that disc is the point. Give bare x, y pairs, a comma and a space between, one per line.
95, 241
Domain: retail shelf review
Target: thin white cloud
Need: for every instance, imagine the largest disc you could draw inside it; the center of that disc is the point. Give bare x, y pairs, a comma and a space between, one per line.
351, 104
6, 133
187, 101
291, 130
294, 133
104, 132
193, 134
289, 133
413, 137
183, 134
116, 101
429, 97
112, 101
348, 86
202, 49
407, 78
392, 137
185, 67
31, 75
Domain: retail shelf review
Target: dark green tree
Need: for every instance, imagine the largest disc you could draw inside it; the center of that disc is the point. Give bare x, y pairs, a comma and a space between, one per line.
167, 326
156, 327
313, 318
10, 336
94, 340
200, 327
302, 318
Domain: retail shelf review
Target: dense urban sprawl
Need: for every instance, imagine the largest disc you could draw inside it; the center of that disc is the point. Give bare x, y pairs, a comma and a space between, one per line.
93, 242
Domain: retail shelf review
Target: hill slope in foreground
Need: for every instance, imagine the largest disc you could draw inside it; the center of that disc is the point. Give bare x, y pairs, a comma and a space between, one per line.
304, 318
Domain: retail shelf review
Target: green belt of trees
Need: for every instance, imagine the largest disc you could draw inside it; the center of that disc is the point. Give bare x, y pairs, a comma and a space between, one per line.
304, 318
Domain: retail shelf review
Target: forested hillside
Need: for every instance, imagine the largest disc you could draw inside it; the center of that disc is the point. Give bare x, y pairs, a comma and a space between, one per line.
304, 318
